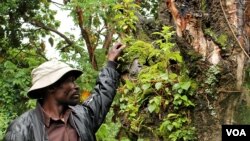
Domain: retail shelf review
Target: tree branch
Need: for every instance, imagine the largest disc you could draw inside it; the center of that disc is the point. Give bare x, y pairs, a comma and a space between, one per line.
86, 37
56, 3
43, 26
108, 36
84, 32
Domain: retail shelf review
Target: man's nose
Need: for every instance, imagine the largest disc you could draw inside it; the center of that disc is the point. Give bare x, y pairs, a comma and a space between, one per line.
76, 87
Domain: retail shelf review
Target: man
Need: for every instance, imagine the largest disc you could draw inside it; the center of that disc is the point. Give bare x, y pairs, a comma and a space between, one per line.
57, 116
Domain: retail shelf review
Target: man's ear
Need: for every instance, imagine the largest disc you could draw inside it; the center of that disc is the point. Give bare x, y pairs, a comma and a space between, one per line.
51, 90
43, 93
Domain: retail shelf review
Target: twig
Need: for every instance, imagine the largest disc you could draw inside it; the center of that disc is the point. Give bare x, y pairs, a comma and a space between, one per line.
56, 3
98, 37
18, 53
225, 91
228, 23
208, 102
21, 50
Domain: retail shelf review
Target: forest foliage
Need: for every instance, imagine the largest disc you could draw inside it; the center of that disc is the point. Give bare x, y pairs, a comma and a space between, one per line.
157, 93
156, 102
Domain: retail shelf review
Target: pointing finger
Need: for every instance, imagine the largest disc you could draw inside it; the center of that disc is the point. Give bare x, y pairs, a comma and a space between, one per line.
117, 45
122, 47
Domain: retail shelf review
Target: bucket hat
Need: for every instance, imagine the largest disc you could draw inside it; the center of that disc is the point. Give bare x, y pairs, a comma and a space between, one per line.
47, 74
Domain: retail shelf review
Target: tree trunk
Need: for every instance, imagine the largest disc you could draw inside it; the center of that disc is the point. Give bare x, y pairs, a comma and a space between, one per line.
219, 31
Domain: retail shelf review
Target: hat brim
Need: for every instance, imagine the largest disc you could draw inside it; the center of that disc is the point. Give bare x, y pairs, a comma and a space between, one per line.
49, 80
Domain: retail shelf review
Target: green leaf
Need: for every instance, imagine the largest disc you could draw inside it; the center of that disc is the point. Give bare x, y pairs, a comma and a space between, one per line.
9, 65
126, 91
167, 91
132, 115
146, 86
137, 90
158, 85
177, 96
185, 85
176, 56
172, 115
172, 76
151, 108
164, 125
179, 58
127, 1
154, 104
166, 103
129, 85
158, 33
176, 86
118, 6
179, 102
184, 98
170, 127
51, 41
176, 124
157, 100
180, 91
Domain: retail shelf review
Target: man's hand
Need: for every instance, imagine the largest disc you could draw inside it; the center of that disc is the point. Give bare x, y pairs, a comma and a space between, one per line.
115, 52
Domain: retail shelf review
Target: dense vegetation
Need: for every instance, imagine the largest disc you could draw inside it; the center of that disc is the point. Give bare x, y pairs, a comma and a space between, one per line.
171, 87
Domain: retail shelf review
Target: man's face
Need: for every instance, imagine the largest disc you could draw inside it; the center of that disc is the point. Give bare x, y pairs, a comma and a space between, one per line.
68, 92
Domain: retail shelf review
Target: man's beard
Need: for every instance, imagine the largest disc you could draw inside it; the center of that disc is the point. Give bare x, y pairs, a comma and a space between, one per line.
69, 103
72, 101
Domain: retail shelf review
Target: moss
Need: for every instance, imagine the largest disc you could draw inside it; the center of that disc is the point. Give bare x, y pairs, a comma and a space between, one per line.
219, 39
142, 36
222, 39
203, 5
209, 32
242, 114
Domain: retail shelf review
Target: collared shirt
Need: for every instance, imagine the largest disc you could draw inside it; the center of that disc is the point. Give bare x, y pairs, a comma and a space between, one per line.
60, 129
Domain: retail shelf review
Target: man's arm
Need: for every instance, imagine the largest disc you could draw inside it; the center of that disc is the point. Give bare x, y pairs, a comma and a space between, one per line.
13, 136
105, 89
102, 95
18, 129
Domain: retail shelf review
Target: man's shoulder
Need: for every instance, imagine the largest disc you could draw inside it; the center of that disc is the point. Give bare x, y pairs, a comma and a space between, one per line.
19, 128
80, 110
21, 122
77, 109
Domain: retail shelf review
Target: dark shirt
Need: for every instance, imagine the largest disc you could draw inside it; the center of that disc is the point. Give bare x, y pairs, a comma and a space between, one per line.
60, 129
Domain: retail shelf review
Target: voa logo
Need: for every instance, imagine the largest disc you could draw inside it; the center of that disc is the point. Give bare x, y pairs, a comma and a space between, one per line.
236, 132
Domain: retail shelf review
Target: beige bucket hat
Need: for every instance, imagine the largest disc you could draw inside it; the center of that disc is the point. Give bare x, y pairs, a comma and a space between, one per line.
47, 74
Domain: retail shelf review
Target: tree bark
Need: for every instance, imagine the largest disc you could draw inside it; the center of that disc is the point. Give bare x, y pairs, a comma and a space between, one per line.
229, 18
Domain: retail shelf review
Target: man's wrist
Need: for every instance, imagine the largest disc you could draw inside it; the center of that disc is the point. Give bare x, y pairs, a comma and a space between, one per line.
112, 64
